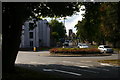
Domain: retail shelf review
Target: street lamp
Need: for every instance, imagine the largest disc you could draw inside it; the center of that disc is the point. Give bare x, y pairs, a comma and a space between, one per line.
35, 41
64, 20
35, 35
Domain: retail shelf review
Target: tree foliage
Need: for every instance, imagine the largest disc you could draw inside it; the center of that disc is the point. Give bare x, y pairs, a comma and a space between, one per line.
58, 30
57, 9
88, 27
14, 15
109, 21
100, 23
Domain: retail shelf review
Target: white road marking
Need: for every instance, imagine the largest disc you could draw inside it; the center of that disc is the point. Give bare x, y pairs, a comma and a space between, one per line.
17, 62
82, 66
85, 64
49, 70
93, 68
68, 72
105, 64
88, 71
35, 63
67, 62
82, 69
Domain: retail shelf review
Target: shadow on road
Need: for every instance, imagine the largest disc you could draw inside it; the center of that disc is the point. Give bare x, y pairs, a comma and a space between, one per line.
67, 71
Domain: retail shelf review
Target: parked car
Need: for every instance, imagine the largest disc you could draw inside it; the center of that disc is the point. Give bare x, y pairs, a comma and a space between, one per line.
65, 44
105, 49
80, 45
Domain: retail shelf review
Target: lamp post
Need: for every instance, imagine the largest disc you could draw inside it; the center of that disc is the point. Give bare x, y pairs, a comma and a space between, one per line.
64, 24
35, 41
64, 21
35, 35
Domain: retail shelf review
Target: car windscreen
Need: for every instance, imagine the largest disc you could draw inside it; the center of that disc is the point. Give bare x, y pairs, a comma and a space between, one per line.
84, 45
79, 43
106, 47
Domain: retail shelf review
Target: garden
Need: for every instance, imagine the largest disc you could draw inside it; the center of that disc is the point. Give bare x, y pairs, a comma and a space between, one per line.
76, 52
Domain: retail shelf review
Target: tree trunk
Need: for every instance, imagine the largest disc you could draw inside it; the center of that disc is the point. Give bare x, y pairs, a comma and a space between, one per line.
103, 42
114, 43
11, 42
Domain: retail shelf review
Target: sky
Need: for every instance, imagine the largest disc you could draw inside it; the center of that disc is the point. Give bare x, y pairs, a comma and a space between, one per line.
71, 21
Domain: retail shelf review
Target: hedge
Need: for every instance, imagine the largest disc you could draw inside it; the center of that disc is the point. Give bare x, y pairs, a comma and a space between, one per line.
75, 50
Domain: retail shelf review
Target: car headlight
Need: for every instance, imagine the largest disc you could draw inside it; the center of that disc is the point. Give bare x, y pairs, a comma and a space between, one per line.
105, 49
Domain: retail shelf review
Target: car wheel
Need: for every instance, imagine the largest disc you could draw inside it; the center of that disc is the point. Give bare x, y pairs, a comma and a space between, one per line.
104, 52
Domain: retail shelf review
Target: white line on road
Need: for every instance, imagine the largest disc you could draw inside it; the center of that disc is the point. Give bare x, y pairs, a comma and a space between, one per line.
67, 62
105, 64
17, 62
88, 71
81, 69
87, 65
49, 70
83, 66
93, 68
35, 63
68, 72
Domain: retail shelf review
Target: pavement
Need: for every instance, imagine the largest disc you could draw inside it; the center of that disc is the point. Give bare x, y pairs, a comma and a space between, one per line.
68, 66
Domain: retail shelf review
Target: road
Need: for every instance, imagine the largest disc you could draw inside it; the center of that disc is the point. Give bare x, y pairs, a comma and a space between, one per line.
68, 67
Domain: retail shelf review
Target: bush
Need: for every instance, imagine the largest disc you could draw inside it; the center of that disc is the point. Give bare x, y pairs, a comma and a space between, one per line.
75, 50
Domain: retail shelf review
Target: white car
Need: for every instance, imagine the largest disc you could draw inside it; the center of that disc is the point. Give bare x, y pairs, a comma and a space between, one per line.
82, 45
105, 49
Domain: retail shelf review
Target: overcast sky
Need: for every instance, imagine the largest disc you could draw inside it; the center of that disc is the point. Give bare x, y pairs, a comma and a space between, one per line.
71, 21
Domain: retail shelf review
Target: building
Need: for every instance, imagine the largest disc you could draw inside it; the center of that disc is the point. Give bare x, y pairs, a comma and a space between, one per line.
38, 37
70, 32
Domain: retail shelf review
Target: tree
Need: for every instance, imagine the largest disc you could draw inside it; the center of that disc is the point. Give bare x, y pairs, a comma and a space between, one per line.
100, 23
88, 27
81, 30
109, 22
14, 15
57, 30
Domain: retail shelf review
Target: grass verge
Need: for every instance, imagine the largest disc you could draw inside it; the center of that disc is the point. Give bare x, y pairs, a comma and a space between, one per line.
111, 61
117, 50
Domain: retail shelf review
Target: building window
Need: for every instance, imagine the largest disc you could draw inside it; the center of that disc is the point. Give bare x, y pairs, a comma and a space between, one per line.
31, 43
31, 35
31, 26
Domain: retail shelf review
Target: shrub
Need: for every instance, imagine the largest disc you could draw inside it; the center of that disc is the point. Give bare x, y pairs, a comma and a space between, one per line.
75, 50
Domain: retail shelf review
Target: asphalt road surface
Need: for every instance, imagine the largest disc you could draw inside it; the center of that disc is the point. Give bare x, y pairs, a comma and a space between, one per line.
68, 67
